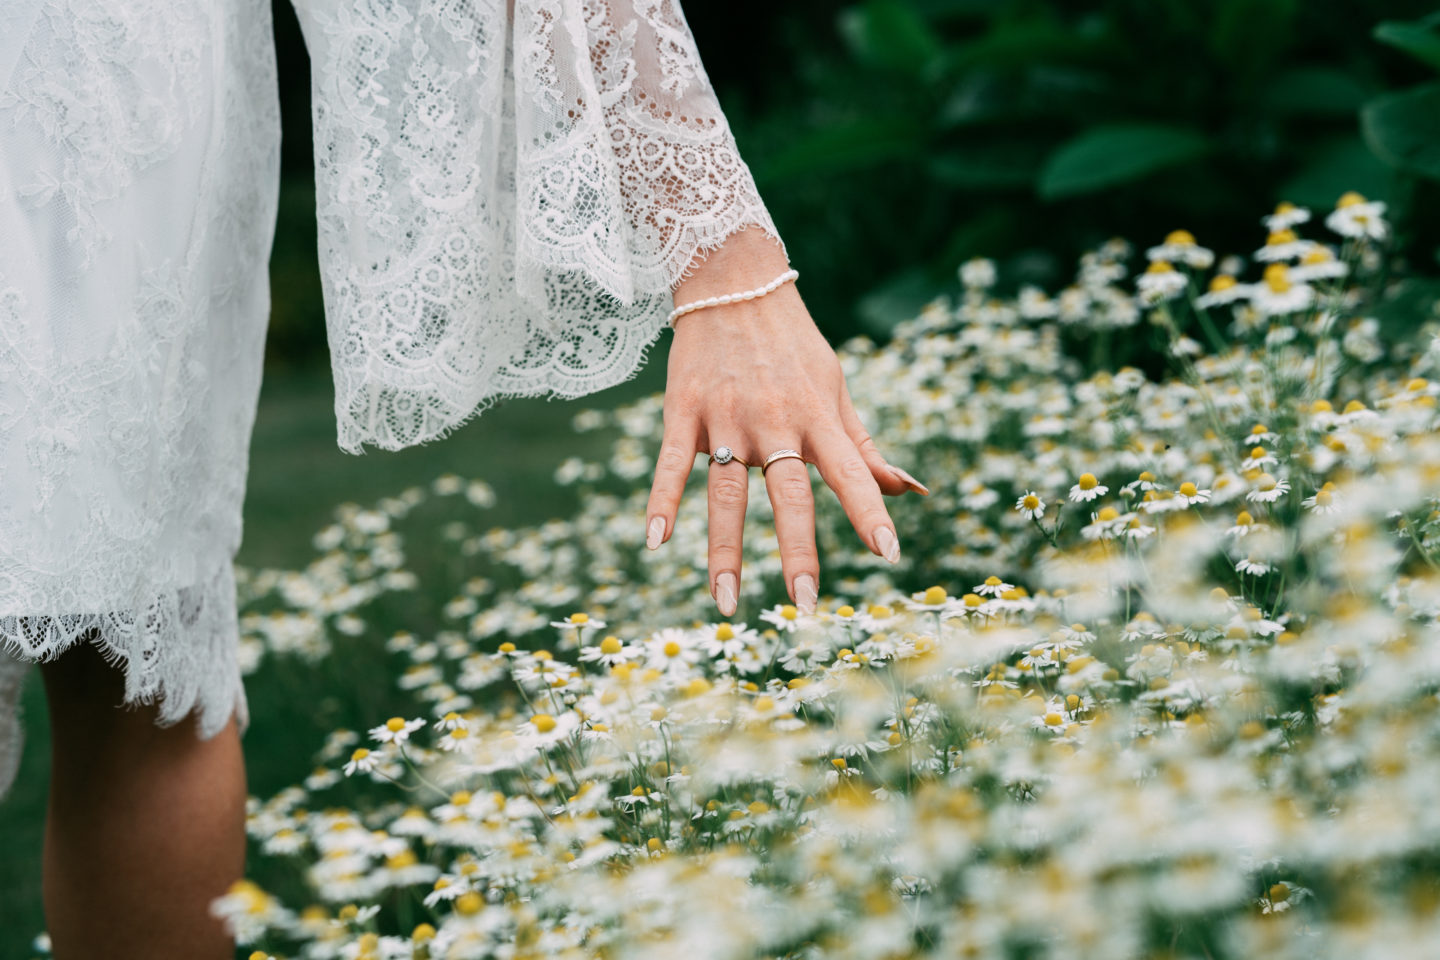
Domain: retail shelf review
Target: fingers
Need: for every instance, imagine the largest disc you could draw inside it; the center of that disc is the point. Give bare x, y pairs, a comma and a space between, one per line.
788, 483
672, 470
729, 491
891, 479
847, 472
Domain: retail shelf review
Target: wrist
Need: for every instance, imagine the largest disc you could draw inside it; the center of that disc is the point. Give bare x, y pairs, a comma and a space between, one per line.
747, 259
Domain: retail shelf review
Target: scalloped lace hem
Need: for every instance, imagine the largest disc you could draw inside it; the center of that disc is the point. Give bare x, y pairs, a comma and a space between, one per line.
179, 652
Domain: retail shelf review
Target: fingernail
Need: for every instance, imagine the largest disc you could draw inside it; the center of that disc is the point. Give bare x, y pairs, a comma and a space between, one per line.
805, 594
655, 533
889, 546
910, 481
725, 593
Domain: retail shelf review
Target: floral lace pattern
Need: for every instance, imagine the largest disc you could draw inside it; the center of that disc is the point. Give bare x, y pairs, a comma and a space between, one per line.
138, 183
505, 207
506, 196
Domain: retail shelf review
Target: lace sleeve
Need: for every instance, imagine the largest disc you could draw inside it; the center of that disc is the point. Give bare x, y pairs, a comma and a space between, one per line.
506, 201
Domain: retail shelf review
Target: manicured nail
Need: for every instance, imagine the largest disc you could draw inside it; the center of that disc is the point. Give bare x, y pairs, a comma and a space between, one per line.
655, 532
910, 481
725, 593
889, 546
805, 594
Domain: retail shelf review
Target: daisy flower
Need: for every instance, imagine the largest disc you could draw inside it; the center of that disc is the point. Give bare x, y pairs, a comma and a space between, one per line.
1180, 246
1276, 294
1087, 488
1107, 522
1259, 457
361, 761
993, 587
543, 730
671, 650
1261, 434
1190, 495
1354, 216
1268, 489
1286, 215
609, 652
1244, 525
784, 617
1145, 482
1159, 282
1318, 263
1323, 502
395, 730
1030, 505
1256, 568
1283, 245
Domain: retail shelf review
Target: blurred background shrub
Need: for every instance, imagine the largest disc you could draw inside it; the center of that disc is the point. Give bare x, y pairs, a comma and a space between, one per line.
893, 139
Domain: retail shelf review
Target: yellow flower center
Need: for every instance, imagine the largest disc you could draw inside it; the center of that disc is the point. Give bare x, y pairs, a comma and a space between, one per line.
395, 724
1053, 719
1277, 277
764, 704
1180, 238
672, 648
1324, 498
1107, 514
423, 933
469, 904
724, 632
579, 618
973, 600
846, 611
881, 611
1188, 489
507, 647
1266, 482
1244, 519
1088, 481
1031, 502
1349, 199
1279, 237
360, 754
1222, 281
1418, 384
1160, 266
1284, 206
993, 581
1146, 476
1317, 255
543, 722
611, 645
1259, 428
935, 595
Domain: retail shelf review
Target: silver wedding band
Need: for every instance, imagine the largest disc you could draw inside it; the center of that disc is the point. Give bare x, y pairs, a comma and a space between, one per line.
781, 455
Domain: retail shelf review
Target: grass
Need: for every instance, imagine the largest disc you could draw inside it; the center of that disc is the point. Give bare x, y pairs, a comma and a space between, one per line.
297, 476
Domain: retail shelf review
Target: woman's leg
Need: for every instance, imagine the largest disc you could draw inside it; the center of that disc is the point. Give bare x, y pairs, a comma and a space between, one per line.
145, 825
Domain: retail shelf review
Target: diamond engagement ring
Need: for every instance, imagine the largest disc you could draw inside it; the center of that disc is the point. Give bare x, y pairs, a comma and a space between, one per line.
725, 455
781, 455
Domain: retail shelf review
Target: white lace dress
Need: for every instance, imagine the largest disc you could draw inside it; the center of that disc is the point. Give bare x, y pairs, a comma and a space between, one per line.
506, 199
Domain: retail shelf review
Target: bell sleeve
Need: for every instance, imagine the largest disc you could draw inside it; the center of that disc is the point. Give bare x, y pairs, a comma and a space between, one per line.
506, 198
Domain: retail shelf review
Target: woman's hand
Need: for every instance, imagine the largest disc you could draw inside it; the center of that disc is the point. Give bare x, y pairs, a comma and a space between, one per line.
757, 376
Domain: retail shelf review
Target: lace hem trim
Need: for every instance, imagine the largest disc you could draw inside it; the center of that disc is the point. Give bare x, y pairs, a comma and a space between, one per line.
179, 651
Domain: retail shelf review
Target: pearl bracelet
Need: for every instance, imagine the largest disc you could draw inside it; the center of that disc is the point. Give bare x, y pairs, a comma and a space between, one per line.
679, 312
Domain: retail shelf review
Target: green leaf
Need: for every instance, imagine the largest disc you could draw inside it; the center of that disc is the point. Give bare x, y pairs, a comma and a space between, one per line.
1109, 155
1404, 129
1316, 91
890, 34
1420, 40
987, 164
1333, 168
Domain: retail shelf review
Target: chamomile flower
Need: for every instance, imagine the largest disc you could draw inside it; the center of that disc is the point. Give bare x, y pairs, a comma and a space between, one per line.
1105, 523
1354, 216
1283, 245
1261, 434
609, 652
1253, 567
993, 587
1258, 457
1286, 215
978, 273
1268, 489
362, 760
1030, 505
1244, 525
1277, 294
1159, 282
1323, 501
1318, 263
785, 617
395, 730
1087, 488
1188, 494
1223, 289
1180, 247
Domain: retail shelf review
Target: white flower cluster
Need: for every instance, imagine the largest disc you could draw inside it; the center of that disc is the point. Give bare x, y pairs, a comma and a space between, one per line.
1181, 703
